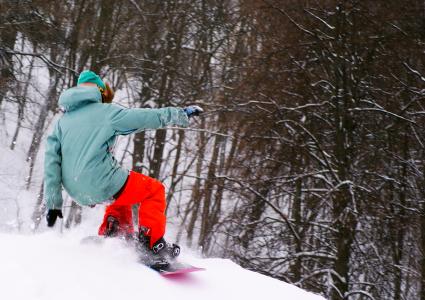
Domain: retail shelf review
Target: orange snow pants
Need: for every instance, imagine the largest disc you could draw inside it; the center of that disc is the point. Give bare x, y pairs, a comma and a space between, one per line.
150, 194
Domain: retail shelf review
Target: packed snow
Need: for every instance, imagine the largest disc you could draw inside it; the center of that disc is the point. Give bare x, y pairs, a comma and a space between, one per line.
52, 265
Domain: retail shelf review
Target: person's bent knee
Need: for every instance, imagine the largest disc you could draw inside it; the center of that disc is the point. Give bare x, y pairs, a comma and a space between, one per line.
157, 185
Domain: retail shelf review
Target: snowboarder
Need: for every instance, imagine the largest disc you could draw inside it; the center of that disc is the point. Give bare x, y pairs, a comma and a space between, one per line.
78, 156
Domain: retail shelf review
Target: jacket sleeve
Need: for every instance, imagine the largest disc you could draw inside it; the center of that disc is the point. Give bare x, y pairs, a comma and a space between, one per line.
52, 170
130, 120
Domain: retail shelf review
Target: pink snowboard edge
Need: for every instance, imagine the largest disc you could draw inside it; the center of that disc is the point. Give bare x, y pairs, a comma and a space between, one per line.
182, 271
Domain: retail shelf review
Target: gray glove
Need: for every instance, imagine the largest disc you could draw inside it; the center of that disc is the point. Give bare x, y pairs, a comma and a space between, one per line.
193, 110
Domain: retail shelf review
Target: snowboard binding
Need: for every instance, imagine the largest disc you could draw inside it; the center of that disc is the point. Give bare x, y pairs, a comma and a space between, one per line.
112, 227
113, 230
160, 255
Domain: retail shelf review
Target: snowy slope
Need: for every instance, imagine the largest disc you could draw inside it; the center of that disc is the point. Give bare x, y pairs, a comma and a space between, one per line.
57, 266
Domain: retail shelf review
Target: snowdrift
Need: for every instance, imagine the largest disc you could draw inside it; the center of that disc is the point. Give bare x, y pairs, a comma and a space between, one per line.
57, 266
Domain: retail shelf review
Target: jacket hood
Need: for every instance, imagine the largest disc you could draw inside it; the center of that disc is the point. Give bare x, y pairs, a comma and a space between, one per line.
79, 96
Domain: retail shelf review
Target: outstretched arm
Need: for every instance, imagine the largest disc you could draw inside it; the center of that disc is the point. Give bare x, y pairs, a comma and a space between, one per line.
129, 120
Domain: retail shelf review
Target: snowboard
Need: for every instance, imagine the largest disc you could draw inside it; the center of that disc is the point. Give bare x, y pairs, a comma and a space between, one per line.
171, 269
176, 268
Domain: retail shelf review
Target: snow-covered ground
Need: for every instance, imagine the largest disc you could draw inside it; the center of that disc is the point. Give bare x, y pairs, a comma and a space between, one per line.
57, 266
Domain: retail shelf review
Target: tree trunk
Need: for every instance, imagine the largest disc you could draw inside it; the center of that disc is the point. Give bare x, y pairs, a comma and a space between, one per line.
39, 127
156, 162
422, 260
196, 190
206, 224
22, 102
74, 215
39, 208
103, 38
7, 40
138, 151
173, 181
296, 215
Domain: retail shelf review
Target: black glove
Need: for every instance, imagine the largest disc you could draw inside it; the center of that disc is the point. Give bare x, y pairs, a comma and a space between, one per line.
193, 110
52, 215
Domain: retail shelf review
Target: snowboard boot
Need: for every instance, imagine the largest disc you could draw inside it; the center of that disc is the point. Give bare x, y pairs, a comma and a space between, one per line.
160, 255
112, 227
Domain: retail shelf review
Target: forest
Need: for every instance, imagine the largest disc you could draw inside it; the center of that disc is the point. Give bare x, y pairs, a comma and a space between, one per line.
308, 164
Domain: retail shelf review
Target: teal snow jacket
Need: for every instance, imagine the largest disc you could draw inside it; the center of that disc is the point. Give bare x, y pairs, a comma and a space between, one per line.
78, 152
